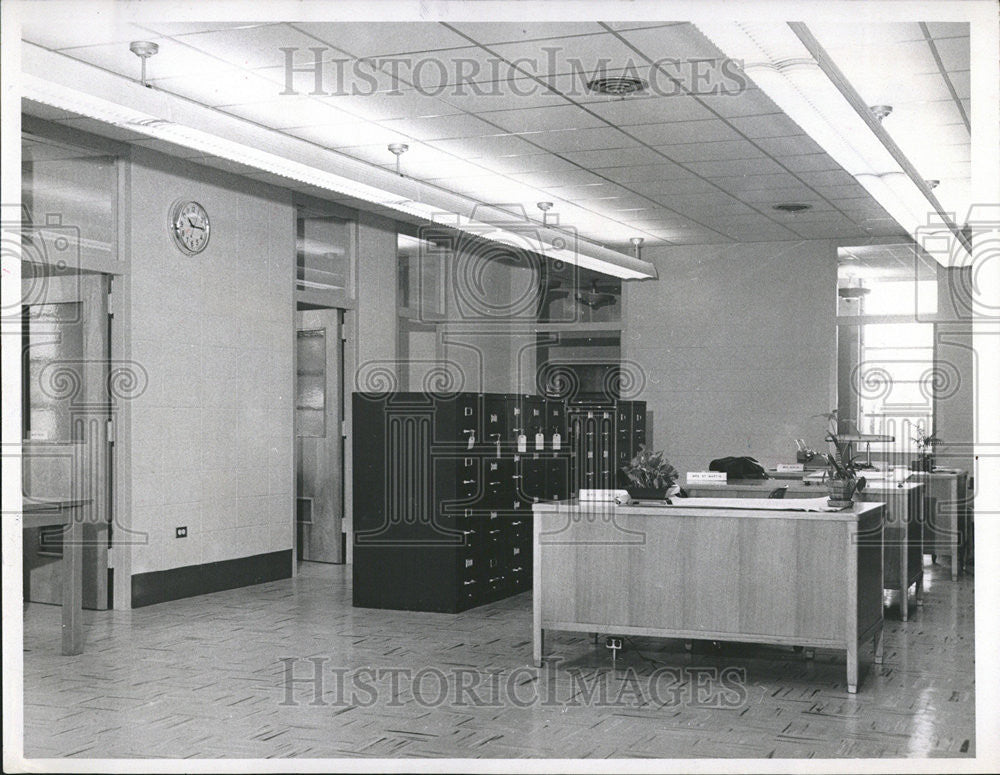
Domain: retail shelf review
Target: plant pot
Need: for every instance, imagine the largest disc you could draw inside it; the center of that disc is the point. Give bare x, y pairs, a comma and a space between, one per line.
841, 491
647, 493
922, 463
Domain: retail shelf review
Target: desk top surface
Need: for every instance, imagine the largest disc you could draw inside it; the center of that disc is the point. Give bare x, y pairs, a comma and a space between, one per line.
752, 508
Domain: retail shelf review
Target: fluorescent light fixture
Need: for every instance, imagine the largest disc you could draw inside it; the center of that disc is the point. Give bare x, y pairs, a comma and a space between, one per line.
788, 65
123, 103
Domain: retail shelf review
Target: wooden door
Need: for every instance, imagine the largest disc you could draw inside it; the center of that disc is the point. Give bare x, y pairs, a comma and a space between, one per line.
319, 435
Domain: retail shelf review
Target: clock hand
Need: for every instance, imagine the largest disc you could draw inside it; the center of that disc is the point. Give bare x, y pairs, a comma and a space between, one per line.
193, 225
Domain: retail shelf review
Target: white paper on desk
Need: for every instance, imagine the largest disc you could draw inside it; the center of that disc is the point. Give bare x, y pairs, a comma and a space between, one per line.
756, 504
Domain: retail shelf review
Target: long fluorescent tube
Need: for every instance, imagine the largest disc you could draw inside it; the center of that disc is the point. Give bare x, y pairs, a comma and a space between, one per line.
129, 105
824, 105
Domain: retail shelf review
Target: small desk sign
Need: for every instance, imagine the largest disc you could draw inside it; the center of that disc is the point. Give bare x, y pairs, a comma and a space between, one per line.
790, 468
695, 477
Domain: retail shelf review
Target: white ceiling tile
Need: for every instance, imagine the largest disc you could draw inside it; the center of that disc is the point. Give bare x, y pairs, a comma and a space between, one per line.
561, 141
680, 132
227, 86
504, 32
948, 29
764, 166
954, 53
827, 178
775, 125
482, 147
174, 59
750, 101
619, 157
775, 196
393, 105
639, 25
793, 145
689, 185
44, 28
543, 119
441, 127
253, 47
679, 43
756, 182
593, 55
656, 171
711, 151
585, 191
379, 39
960, 80
808, 162
846, 191
290, 111
516, 95
349, 135
536, 162
648, 109
567, 178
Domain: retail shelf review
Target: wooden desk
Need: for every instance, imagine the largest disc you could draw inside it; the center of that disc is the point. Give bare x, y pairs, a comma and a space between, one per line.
759, 576
65, 512
902, 536
946, 528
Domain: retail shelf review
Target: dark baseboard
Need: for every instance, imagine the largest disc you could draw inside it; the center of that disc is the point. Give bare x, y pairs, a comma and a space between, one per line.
176, 583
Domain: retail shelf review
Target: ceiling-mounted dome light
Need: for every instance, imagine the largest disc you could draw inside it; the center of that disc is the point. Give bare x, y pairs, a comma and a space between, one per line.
545, 207
636, 245
398, 149
143, 49
792, 207
881, 111
617, 86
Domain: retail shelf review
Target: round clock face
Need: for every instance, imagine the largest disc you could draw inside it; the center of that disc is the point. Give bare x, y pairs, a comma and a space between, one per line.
189, 226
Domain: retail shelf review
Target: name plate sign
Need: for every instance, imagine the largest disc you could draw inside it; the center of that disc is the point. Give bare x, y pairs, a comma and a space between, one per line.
698, 477
790, 468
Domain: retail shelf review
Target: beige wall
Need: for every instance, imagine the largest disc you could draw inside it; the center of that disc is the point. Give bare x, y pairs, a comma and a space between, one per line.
213, 434
738, 348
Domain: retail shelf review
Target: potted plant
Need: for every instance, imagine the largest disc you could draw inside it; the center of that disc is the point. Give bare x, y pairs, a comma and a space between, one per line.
651, 476
925, 450
841, 474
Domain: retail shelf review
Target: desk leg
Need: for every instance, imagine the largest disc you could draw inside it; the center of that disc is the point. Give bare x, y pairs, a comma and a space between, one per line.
904, 584
852, 667
954, 553
879, 646
72, 587
920, 588
538, 646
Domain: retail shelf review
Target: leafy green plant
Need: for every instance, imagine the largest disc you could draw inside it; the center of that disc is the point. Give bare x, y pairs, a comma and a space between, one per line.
842, 463
651, 470
925, 442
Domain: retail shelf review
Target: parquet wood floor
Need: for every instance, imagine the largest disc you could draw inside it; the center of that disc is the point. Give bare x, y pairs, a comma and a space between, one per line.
205, 677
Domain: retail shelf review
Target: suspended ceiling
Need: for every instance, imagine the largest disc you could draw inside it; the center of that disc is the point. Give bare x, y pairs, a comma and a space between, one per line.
675, 165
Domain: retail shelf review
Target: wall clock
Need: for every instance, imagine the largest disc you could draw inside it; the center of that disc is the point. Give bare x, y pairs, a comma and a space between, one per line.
189, 226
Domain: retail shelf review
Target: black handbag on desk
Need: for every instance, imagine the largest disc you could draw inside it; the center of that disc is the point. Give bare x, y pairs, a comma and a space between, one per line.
739, 468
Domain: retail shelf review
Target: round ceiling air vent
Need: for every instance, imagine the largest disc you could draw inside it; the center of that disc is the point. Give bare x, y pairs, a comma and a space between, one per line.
617, 86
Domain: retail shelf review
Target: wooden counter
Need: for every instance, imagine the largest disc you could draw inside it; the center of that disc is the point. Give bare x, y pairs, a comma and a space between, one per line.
902, 535
65, 512
753, 575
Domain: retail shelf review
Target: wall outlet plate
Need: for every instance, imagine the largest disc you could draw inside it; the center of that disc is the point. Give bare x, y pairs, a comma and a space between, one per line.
182, 532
